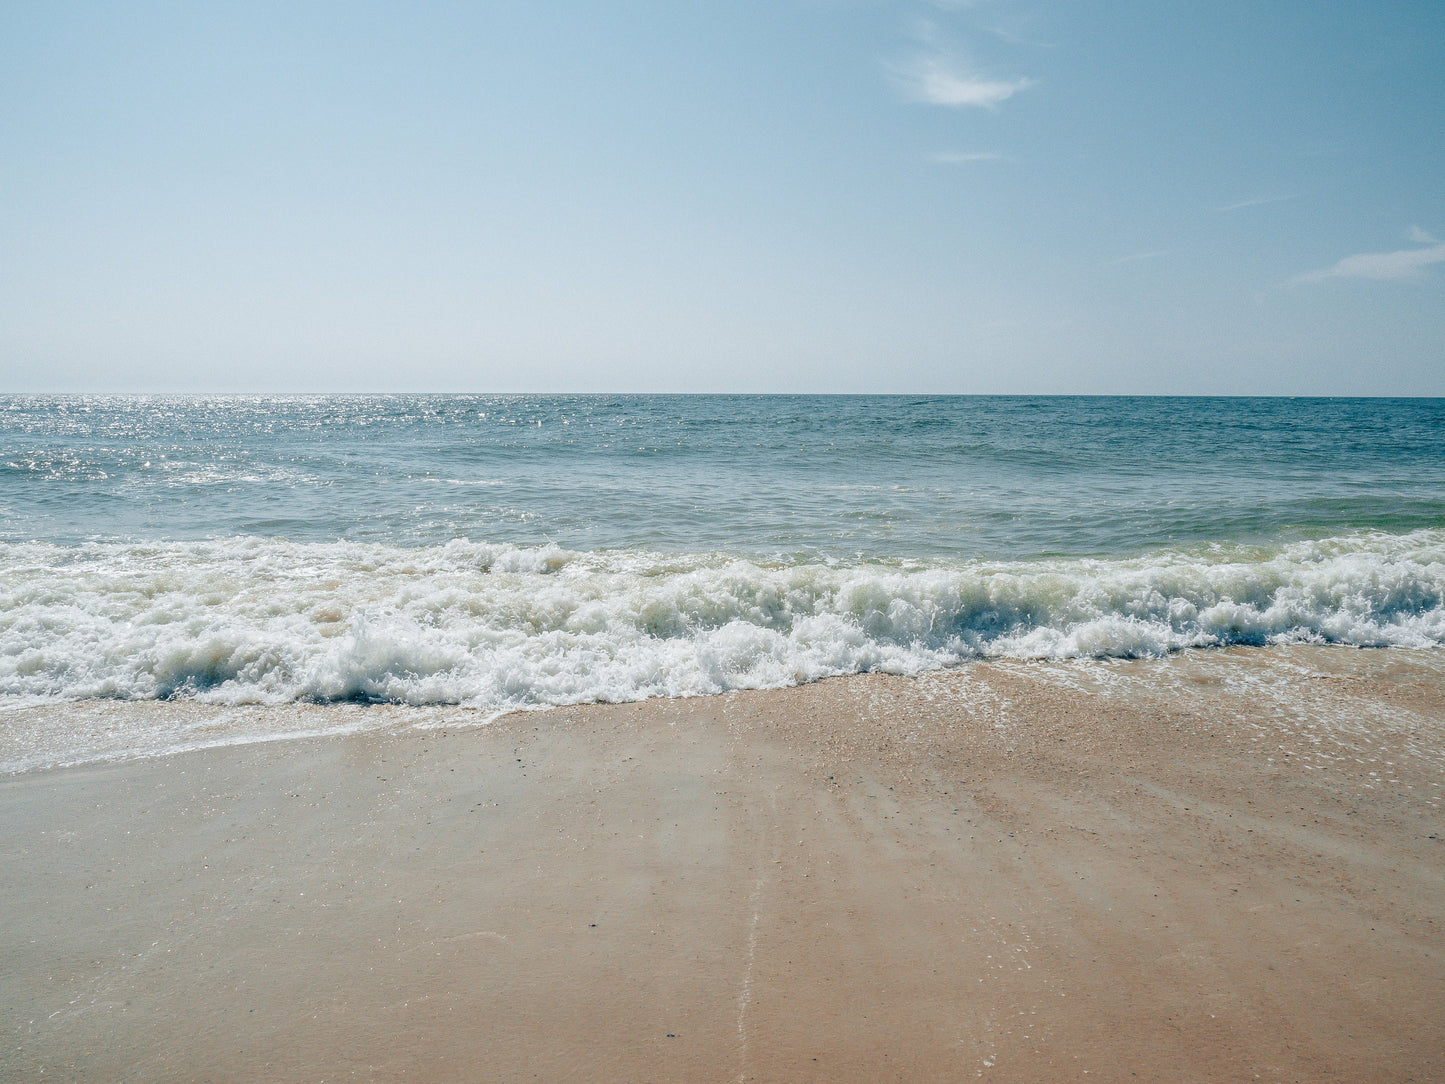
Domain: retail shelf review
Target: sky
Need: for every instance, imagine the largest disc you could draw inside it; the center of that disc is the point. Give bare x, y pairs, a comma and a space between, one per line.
998, 196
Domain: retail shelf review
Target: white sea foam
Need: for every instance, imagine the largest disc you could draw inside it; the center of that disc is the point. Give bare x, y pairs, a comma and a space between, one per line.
251, 620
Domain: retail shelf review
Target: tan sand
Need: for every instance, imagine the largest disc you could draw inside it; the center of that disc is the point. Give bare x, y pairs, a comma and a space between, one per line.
1221, 866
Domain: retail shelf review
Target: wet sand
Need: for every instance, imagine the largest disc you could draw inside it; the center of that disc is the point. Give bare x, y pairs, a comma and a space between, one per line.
1225, 865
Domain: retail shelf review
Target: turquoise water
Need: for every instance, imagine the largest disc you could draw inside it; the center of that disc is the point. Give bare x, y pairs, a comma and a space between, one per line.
513, 551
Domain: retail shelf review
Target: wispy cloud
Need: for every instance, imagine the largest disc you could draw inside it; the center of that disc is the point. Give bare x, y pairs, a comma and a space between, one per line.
1406, 263
1258, 201
956, 158
1135, 257
1015, 37
1004, 22
941, 80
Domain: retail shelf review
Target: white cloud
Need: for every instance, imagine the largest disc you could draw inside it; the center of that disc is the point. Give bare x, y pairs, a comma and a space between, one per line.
962, 157
938, 80
1383, 266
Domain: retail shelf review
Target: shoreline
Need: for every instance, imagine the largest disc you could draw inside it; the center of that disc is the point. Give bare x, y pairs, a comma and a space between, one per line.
1209, 866
26, 729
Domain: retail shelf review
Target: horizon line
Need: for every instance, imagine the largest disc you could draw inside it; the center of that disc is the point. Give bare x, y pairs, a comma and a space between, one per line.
707, 394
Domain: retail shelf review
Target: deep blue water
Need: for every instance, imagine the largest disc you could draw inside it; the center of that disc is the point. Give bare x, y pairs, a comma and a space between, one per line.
833, 477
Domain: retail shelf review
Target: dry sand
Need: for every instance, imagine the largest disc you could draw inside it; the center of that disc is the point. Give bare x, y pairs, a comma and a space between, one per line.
1221, 866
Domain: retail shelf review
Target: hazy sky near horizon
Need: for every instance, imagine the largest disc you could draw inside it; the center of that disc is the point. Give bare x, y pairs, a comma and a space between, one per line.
759, 195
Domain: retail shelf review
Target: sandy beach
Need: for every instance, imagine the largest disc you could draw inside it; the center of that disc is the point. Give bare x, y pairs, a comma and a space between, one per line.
1222, 865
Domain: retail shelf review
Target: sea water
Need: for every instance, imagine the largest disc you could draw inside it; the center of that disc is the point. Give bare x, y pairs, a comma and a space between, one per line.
517, 551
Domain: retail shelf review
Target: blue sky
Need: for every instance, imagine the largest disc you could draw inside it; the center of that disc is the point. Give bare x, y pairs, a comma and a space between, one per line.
792, 196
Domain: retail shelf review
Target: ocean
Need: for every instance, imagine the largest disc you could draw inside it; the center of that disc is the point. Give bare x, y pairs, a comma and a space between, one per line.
505, 552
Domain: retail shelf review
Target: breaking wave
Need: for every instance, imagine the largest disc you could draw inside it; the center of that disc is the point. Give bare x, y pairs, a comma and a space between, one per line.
249, 620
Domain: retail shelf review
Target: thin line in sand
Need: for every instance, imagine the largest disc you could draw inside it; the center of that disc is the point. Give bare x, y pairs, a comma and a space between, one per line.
745, 995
